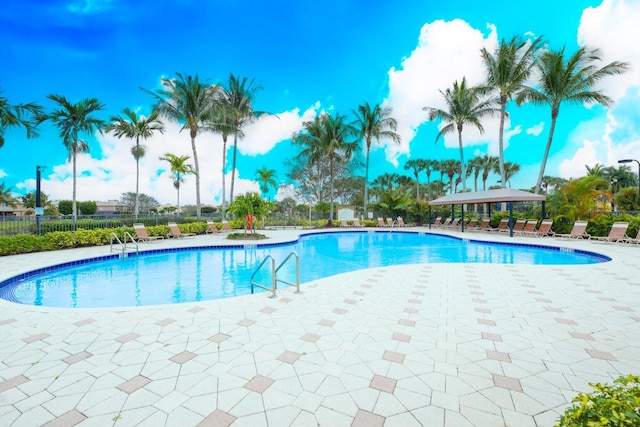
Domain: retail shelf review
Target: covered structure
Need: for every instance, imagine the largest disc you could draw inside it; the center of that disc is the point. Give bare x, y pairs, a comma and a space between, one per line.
506, 195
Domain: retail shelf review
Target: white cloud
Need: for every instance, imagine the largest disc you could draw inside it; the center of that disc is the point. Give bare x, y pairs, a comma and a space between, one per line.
115, 172
535, 130
613, 28
2, 173
446, 51
262, 135
575, 166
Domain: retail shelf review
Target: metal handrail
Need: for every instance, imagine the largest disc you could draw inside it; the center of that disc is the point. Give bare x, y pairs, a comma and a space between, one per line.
273, 277
123, 246
297, 284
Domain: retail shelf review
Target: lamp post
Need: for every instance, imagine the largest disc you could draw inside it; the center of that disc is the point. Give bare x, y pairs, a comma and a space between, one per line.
39, 210
629, 161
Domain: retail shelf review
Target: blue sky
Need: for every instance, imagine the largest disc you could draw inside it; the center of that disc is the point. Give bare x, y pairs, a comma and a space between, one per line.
309, 57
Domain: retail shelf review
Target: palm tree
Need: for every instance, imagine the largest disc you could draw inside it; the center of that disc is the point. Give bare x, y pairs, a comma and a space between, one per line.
572, 81
417, 165
24, 115
488, 164
6, 197
430, 166
464, 106
475, 167
507, 69
450, 168
238, 99
188, 101
72, 120
266, 178
510, 169
249, 204
135, 127
327, 137
179, 168
374, 123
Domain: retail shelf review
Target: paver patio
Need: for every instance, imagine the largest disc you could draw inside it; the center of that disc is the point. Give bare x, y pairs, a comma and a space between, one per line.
431, 344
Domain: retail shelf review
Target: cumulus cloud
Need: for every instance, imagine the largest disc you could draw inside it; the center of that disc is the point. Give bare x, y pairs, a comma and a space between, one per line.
535, 130
446, 51
575, 166
263, 135
2, 173
114, 173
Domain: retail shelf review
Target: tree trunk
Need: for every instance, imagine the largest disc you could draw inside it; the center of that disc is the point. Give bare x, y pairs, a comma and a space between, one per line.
330, 222
463, 168
503, 106
195, 162
135, 206
224, 170
233, 164
366, 181
546, 152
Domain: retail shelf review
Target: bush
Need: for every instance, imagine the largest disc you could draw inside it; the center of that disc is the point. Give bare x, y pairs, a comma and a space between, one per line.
608, 405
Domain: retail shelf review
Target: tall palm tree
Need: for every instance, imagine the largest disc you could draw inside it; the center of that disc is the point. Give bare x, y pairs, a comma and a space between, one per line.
488, 164
429, 167
510, 169
417, 165
72, 120
266, 178
179, 168
238, 99
598, 169
188, 101
450, 168
327, 137
374, 123
569, 80
135, 127
465, 105
24, 115
508, 69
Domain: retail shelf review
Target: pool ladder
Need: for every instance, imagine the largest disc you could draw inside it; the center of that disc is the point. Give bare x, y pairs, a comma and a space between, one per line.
274, 274
123, 245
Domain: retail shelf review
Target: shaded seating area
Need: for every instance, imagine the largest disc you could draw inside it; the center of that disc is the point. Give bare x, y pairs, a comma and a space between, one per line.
142, 235
506, 195
175, 232
618, 233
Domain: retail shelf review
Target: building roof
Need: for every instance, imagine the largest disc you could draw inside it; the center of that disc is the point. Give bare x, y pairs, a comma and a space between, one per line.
489, 196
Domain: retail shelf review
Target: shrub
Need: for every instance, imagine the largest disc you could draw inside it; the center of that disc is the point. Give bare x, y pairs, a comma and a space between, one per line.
608, 405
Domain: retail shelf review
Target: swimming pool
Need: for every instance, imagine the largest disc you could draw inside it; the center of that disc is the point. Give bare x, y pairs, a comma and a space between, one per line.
190, 275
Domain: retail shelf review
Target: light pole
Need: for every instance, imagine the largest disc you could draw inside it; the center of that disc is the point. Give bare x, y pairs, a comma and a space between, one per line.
39, 210
629, 161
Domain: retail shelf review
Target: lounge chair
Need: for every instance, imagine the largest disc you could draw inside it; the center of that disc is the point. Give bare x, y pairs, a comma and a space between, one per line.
390, 223
356, 223
381, 223
503, 227
175, 232
455, 223
544, 230
437, 222
400, 222
142, 235
471, 224
212, 228
226, 228
484, 225
446, 223
344, 224
577, 232
529, 227
519, 225
618, 233
633, 240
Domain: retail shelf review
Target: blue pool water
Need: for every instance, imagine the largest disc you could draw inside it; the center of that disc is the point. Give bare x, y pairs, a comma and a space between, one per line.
165, 277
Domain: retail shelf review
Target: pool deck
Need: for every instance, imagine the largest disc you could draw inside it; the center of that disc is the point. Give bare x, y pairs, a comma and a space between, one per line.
411, 345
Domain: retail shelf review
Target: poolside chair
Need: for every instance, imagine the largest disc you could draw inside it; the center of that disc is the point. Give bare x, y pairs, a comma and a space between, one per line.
455, 223
344, 224
577, 232
437, 222
544, 230
212, 228
503, 227
633, 240
381, 223
226, 228
519, 225
471, 224
529, 227
390, 223
618, 233
142, 235
446, 223
400, 222
484, 225
175, 232
356, 223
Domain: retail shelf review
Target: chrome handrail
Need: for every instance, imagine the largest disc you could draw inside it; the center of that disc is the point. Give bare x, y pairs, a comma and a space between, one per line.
297, 284
123, 246
273, 277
